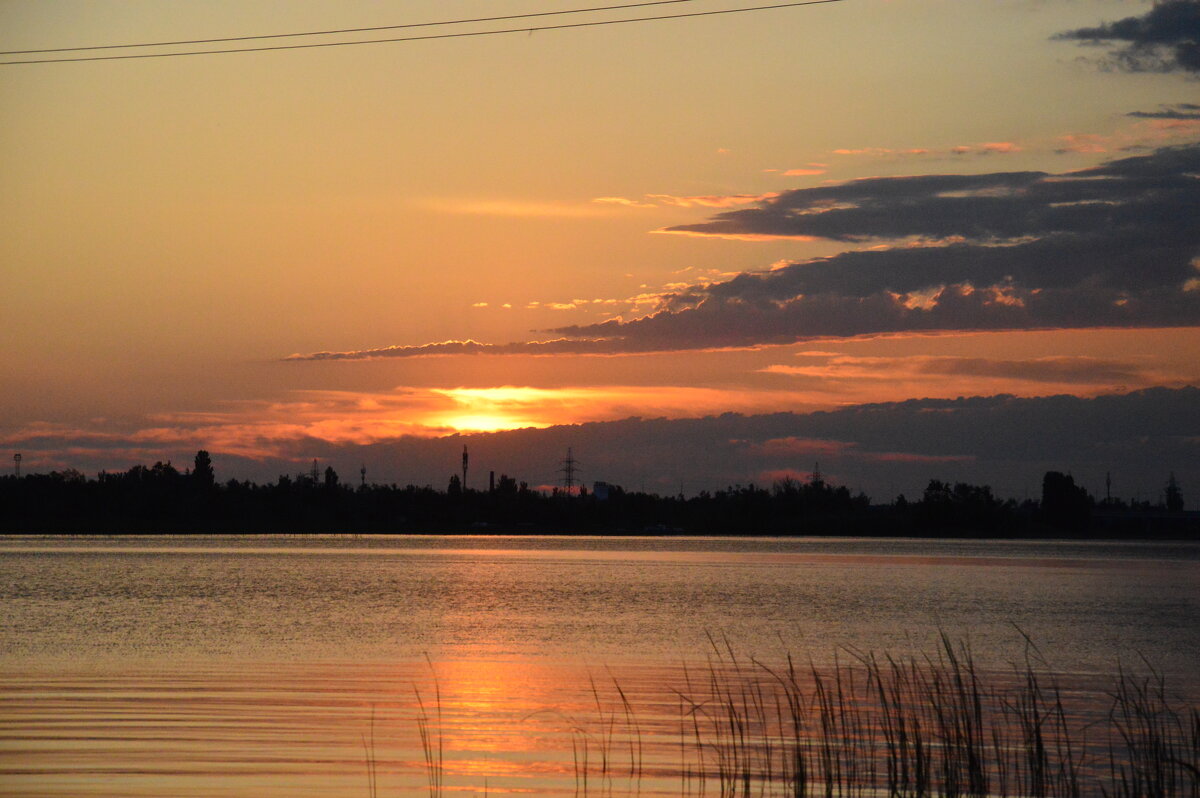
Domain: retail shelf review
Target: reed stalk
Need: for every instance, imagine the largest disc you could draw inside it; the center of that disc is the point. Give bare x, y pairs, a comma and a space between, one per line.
921, 727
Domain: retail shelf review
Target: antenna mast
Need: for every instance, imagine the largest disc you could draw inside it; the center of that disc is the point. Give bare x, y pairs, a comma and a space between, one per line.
17, 464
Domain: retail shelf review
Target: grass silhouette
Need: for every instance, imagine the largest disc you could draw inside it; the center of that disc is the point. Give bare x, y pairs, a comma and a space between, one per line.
932, 726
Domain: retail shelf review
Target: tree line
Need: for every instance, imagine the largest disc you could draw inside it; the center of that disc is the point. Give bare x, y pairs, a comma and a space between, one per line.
161, 498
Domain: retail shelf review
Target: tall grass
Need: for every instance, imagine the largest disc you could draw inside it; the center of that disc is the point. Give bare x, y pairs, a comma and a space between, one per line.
934, 726
429, 728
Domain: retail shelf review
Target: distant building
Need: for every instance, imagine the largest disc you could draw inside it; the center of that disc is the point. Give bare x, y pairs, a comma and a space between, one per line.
600, 491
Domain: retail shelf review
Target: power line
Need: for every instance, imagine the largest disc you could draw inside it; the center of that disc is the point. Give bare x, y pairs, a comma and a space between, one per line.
347, 30
466, 34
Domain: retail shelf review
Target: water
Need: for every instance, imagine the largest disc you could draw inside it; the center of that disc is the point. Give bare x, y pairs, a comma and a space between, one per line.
254, 666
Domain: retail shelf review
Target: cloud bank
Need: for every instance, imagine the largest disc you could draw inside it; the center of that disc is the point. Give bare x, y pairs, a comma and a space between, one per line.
1115, 245
1164, 39
1110, 246
1177, 111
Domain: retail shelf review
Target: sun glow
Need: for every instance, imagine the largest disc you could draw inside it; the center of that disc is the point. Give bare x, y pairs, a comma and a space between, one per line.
484, 422
496, 409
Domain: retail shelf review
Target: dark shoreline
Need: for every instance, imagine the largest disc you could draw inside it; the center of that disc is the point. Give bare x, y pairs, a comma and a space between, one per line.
164, 500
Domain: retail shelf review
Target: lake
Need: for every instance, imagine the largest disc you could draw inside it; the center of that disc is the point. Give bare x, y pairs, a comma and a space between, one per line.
287, 665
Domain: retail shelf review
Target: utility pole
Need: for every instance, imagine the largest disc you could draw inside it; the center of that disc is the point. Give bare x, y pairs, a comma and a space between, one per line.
363, 473
464, 480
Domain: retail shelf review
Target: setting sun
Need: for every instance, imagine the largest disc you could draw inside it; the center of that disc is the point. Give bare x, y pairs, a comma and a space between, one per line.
484, 423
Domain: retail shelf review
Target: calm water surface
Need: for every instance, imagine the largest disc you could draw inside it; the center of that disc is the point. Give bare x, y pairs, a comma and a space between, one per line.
254, 666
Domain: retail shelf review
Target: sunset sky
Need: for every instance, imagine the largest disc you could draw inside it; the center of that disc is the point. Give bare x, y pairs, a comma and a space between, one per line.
844, 212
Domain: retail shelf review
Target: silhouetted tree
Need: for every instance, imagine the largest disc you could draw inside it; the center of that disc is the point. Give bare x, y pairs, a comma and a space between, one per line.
506, 486
331, 478
203, 472
1174, 495
1065, 505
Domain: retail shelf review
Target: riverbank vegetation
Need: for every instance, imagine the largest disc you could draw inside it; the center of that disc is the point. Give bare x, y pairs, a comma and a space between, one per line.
917, 727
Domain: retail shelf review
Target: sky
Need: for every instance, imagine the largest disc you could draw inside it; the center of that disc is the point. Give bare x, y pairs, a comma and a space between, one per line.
904, 239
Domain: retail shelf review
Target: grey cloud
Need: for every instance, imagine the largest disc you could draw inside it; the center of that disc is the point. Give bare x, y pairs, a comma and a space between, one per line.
1083, 370
469, 347
1164, 39
1110, 246
960, 307
1173, 111
985, 208
1080, 370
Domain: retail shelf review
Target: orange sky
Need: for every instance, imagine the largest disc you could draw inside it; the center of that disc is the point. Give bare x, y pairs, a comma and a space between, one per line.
173, 230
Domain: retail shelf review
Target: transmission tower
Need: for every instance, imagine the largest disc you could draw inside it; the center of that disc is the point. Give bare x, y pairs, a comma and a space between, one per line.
569, 467
464, 481
315, 474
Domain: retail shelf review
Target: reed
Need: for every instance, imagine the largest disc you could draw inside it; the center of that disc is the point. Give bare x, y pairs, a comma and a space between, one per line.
432, 740
874, 725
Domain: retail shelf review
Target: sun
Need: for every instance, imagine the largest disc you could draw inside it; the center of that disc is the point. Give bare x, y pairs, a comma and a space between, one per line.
495, 409
485, 422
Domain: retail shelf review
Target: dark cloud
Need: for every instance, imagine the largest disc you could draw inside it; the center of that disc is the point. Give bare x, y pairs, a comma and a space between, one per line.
1173, 111
1104, 372
989, 208
1164, 39
469, 347
1083, 370
1110, 246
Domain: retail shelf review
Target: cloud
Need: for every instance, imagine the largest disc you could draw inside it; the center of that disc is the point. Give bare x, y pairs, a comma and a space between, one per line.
1167, 126
882, 448
624, 202
1059, 370
806, 171
982, 149
1173, 111
1108, 246
1164, 39
710, 200
995, 207
467, 347
698, 201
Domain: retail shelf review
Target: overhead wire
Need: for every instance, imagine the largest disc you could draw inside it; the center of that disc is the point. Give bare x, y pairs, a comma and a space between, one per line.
427, 37
336, 31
